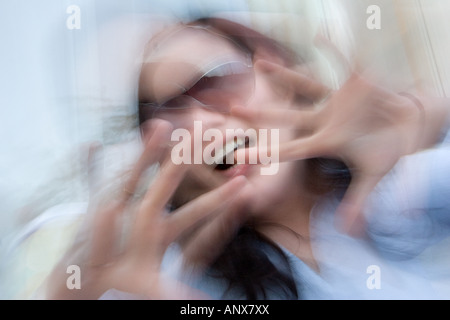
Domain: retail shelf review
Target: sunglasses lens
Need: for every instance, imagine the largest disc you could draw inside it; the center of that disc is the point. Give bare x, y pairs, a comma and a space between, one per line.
220, 93
218, 90
180, 102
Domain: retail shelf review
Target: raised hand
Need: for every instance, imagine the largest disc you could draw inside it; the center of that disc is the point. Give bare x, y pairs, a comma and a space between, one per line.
366, 126
132, 263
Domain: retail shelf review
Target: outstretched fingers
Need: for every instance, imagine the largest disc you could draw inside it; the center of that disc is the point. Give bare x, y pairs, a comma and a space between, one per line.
297, 82
157, 138
298, 119
156, 228
311, 146
161, 191
105, 231
215, 201
210, 240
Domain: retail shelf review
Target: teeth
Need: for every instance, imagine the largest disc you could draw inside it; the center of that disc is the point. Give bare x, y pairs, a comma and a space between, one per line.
228, 148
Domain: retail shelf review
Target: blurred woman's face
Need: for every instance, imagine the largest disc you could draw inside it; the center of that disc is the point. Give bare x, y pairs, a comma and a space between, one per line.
193, 77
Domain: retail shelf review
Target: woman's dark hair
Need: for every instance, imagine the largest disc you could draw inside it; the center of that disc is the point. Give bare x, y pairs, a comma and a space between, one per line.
247, 263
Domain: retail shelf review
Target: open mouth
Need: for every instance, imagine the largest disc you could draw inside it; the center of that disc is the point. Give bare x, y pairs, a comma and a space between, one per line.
224, 160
